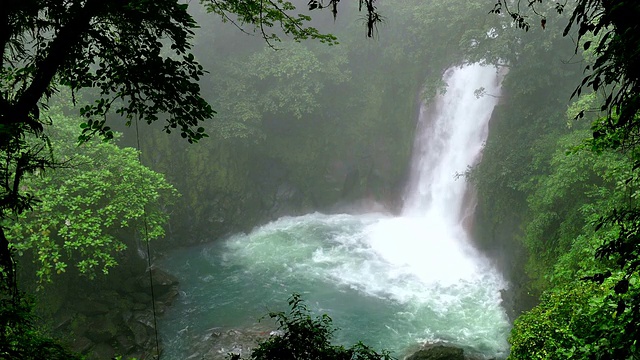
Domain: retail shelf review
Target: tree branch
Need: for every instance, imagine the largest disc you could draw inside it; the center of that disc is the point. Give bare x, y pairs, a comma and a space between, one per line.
68, 37
7, 270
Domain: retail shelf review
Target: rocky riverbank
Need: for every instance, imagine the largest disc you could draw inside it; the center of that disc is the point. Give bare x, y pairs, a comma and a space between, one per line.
219, 343
440, 351
116, 320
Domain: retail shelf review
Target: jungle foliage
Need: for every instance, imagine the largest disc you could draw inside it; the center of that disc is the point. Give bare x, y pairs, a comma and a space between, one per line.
579, 190
133, 58
288, 140
302, 336
578, 220
23, 338
133, 55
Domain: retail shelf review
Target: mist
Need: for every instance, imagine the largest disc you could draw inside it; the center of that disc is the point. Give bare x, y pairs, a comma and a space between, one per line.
388, 180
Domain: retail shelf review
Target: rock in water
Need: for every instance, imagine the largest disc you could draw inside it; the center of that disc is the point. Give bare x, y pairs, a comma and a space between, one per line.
438, 352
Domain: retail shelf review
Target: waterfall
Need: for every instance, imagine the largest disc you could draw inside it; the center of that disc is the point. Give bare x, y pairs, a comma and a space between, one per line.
391, 282
429, 239
449, 138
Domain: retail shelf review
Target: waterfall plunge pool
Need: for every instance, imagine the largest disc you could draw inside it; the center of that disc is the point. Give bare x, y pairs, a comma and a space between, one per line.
392, 301
391, 282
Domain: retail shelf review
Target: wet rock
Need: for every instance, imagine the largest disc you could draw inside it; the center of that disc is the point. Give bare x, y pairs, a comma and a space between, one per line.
217, 343
162, 281
169, 297
116, 317
141, 297
126, 315
125, 344
101, 329
102, 351
507, 296
144, 317
140, 333
81, 344
160, 308
131, 285
139, 306
91, 307
438, 352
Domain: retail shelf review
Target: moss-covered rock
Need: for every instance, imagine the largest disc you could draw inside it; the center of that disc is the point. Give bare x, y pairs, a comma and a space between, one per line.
438, 352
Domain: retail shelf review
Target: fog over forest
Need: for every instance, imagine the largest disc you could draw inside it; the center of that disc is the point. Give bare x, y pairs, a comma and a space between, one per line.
367, 179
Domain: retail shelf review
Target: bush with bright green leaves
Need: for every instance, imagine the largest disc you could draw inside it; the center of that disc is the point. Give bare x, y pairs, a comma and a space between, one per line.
582, 320
90, 208
302, 336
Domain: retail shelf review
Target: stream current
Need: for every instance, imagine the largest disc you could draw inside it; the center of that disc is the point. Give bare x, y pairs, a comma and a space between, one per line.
390, 281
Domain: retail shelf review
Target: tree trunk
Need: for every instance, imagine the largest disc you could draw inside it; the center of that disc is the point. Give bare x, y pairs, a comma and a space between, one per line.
7, 270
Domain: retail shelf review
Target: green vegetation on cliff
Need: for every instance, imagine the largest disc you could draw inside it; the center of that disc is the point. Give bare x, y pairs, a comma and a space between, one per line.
309, 126
564, 195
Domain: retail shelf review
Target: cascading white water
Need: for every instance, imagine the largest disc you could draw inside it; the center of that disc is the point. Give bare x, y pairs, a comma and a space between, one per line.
389, 281
449, 139
430, 236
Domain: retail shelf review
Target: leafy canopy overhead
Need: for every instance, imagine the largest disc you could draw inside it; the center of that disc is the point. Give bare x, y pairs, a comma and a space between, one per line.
136, 52
611, 29
265, 14
133, 57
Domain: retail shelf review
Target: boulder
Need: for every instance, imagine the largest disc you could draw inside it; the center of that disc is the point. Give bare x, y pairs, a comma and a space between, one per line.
116, 316
141, 297
131, 285
102, 351
169, 297
81, 344
163, 282
126, 345
438, 352
140, 333
90, 307
160, 308
144, 317
219, 342
139, 306
101, 329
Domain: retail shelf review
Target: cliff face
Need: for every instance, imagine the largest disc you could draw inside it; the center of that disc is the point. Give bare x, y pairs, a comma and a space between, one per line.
354, 151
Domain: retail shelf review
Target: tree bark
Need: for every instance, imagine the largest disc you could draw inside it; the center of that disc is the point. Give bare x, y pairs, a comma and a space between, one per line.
4, 32
7, 274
